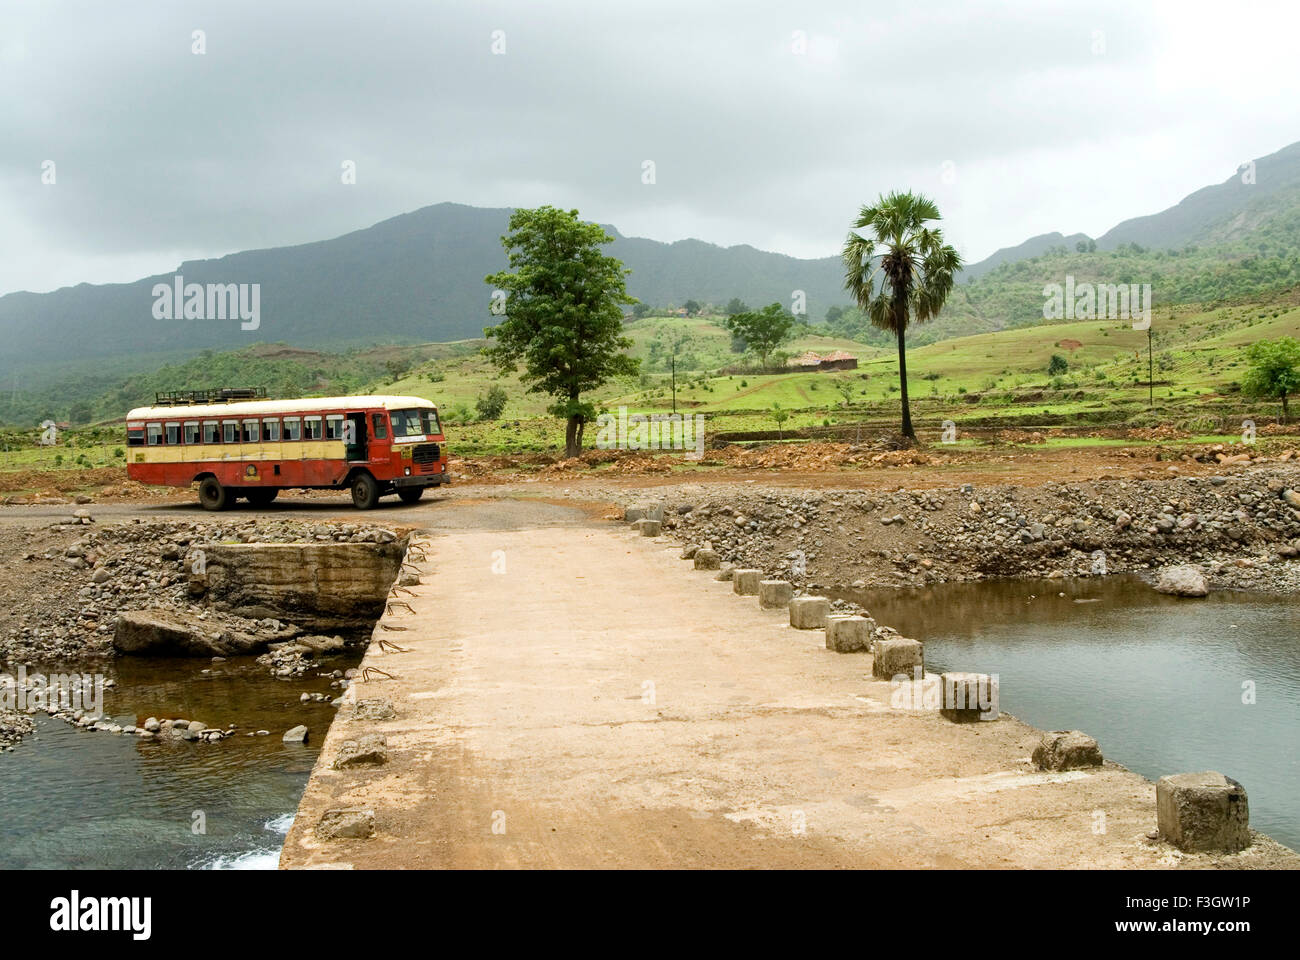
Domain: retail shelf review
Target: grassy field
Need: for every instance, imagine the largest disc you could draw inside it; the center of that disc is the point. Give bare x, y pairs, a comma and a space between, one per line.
983, 383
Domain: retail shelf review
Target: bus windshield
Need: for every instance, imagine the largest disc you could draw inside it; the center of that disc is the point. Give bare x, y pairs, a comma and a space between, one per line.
414, 423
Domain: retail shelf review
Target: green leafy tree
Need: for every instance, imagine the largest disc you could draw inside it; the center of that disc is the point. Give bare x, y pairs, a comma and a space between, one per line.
692, 307
491, 405
902, 271
779, 416
845, 389
1057, 365
1274, 370
734, 306
639, 310
563, 313
761, 330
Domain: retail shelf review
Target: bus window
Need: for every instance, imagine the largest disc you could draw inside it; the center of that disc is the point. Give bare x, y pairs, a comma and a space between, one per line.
191, 431
334, 426
414, 423
135, 434
230, 431
153, 434
211, 431
252, 432
271, 429
173, 433
380, 426
311, 428
292, 428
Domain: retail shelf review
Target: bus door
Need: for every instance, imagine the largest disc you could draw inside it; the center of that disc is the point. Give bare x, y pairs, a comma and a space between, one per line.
356, 440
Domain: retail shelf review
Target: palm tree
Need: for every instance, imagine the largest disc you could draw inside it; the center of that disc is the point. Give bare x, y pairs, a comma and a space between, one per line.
915, 267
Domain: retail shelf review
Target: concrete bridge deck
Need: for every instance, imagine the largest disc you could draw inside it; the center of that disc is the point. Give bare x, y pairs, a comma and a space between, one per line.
577, 696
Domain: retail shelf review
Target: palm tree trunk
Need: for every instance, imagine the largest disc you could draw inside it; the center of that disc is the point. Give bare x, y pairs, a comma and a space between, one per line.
902, 387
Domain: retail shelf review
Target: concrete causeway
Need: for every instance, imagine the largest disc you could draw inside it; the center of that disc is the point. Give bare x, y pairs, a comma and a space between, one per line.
576, 695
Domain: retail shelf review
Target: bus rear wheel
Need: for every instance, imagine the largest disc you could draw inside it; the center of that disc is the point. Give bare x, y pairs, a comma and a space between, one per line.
261, 496
365, 491
212, 495
410, 494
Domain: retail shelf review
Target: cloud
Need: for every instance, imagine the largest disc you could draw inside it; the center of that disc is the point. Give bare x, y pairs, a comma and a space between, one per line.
767, 123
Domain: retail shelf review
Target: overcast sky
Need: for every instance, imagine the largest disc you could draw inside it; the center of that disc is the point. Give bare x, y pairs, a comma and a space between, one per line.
1019, 118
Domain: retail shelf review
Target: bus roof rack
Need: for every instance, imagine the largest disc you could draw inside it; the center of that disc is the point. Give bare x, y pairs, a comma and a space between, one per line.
176, 398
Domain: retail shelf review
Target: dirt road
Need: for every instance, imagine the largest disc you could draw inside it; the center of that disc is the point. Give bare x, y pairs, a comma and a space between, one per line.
571, 695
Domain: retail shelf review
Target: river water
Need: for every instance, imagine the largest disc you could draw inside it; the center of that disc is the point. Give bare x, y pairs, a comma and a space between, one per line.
70, 798
1159, 681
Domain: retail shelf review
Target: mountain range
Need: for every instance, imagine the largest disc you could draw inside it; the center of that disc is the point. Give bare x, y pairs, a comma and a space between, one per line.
418, 277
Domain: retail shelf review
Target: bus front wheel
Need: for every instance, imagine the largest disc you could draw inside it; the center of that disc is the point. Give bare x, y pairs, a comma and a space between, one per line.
365, 491
212, 495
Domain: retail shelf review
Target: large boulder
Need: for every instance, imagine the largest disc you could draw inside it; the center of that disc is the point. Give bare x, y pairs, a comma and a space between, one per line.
168, 633
1186, 580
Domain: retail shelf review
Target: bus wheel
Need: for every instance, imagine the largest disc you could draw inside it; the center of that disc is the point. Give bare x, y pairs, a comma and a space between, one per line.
365, 491
261, 496
410, 494
213, 495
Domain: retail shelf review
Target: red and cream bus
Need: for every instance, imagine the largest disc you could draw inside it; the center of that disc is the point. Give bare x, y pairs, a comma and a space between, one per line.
233, 446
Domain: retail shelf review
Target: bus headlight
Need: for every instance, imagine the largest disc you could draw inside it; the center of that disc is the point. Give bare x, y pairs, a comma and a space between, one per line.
408, 471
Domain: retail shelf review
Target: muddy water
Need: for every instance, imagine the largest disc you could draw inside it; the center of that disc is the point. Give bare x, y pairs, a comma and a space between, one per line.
70, 798
1157, 680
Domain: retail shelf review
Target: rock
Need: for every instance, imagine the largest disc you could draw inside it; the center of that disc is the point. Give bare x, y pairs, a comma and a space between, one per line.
1066, 750
633, 514
370, 749
152, 725
1292, 498
169, 632
350, 823
374, 708
726, 572
689, 551
296, 734
1199, 812
705, 559
101, 575
1185, 580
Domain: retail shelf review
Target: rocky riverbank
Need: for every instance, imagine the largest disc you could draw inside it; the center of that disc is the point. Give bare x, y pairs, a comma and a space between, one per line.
65, 586
1242, 529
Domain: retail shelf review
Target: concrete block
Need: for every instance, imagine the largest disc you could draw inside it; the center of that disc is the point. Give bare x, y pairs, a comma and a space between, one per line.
849, 634
809, 613
968, 697
1066, 750
633, 514
655, 511
895, 655
725, 572
745, 582
706, 559
1206, 811
774, 594
349, 823
649, 528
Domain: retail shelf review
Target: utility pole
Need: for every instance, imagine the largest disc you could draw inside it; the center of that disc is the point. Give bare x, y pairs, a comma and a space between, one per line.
674, 363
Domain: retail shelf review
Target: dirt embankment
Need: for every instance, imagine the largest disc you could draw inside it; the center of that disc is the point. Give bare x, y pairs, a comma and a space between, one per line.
1244, 528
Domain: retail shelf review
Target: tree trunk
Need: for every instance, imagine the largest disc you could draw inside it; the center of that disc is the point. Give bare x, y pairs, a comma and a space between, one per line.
573, 437
902, 387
